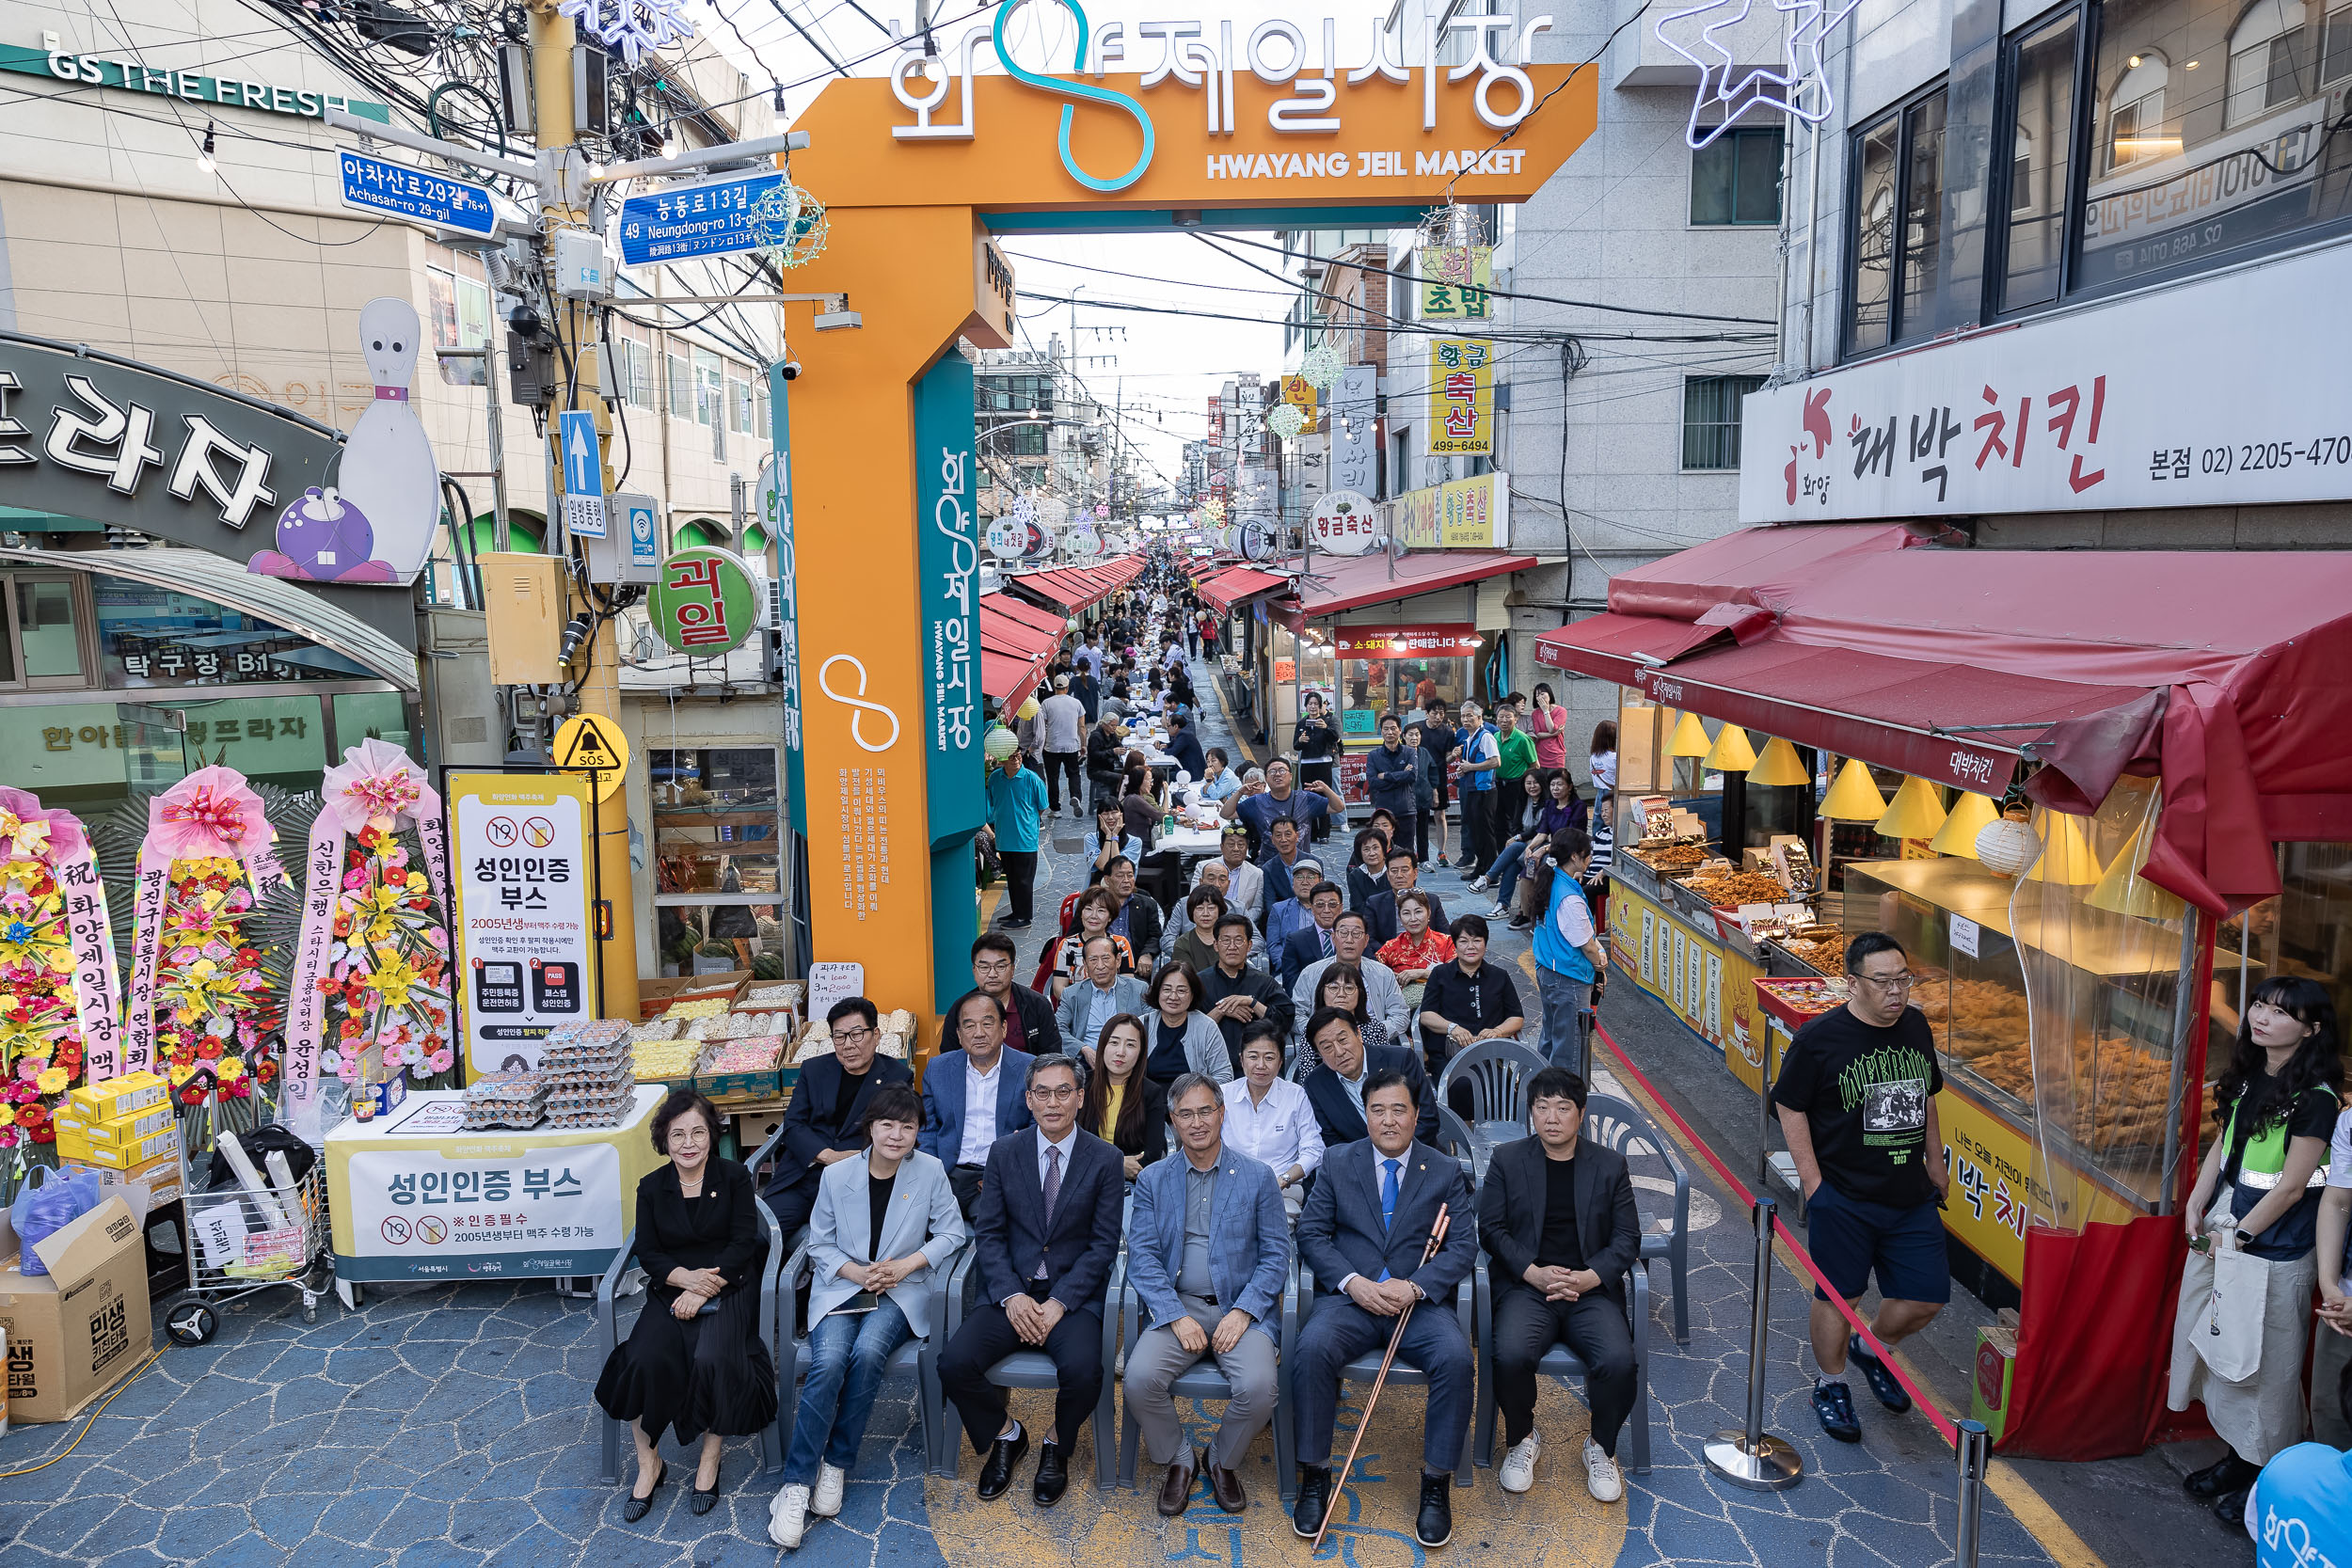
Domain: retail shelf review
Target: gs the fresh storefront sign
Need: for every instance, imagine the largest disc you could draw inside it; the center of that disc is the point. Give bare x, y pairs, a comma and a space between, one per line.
188, 87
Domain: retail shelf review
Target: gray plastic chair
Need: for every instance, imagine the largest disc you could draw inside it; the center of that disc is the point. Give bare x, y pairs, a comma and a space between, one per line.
1618, 1124
1562, 1362
1202, 1381
771, 1441
1455, 1137
1367, 1366
1496, 1074
1033, 1369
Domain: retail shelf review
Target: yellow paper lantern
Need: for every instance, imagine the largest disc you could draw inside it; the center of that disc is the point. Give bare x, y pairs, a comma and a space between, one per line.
1968, 818
2066, 857
1028, 710
2125, 891
1854, 797
1732, 752
1917, 812
1779, 765
2008, 845
1689, 738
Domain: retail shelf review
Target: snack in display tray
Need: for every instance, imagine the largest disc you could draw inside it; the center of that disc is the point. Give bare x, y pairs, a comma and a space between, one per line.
671, 1062
700, 1006
1670, 857
1806, 997
1730, 889
666, 1027
786, 995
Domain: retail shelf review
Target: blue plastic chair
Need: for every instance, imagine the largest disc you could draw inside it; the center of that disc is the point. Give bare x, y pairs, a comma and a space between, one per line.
1562, 1362
1367, 1366
1034, 1368
1618, 1124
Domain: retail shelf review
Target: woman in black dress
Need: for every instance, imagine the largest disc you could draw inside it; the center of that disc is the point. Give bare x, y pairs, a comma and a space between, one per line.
695, 1363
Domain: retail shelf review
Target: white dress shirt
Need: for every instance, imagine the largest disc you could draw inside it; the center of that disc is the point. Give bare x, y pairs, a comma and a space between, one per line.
979, 1112
1281, 1129
1068, 1144
1379, 1175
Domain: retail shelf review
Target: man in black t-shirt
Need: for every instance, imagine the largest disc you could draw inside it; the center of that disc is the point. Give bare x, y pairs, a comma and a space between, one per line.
1856, 1095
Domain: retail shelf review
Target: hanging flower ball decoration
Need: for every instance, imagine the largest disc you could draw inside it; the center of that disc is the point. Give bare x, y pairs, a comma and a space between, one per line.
2008, 845
1322, 366
1286, 422
792, 225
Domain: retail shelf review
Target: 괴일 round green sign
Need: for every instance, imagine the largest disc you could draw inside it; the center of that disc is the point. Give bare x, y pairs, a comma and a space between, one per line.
706, 601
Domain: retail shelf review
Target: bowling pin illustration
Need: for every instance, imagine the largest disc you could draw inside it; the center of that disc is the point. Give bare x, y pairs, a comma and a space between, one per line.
388, 471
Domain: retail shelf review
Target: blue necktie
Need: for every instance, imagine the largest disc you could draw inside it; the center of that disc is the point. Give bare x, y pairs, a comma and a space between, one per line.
1326, 943
1388, 1201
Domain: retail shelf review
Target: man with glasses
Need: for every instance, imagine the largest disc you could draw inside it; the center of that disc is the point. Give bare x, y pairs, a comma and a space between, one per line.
825, 1122
1028, 1017
1856, 1095
1208, 1252
1047, 1232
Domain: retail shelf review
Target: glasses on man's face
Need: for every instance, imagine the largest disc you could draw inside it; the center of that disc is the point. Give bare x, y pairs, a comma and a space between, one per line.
1190, 1115
1054, 1094
992, 967
1888, 983
851, 1037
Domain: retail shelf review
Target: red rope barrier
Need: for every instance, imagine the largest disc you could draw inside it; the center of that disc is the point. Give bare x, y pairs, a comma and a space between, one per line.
1919, 1397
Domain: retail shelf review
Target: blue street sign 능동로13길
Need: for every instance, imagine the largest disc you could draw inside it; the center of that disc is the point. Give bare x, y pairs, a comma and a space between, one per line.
394, 190
708, 217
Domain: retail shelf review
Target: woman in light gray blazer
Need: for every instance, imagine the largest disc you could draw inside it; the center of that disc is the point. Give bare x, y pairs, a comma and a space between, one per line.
886, 1218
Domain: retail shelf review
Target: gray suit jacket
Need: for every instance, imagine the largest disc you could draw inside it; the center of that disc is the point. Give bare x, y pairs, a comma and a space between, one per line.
1126, 997
922, 1213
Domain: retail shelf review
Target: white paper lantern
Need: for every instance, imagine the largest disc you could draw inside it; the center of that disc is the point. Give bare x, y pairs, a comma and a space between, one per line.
999, 744
2008, 845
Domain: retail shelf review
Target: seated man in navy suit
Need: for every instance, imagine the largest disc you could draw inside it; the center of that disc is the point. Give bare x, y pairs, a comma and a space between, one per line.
1047, 1233
826, 1120
1364, 1230
1335, 1087
972, 1097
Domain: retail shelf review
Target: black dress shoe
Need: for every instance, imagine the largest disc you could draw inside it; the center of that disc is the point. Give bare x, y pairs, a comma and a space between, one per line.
1225, 1487
702, 1501
2230, 1510
1314, 1497
637, 1508
1003, 1454
2225, 1475
1053, 1474
1434, 1525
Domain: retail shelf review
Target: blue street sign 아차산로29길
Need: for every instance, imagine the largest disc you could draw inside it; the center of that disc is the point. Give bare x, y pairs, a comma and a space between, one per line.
710, 217
394, 190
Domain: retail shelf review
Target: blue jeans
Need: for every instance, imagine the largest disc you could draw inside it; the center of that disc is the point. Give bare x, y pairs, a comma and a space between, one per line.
1563, 999
1505, 875
847, 1354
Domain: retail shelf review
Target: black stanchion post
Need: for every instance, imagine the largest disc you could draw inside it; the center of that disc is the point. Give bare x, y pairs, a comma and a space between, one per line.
1975, 1453
1750, 1456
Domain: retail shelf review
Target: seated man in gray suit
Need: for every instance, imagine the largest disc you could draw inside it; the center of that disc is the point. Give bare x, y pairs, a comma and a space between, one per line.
972, 1097
1208, 1250
1365, 1226
1046, 1233
1100, 995
1557, 1217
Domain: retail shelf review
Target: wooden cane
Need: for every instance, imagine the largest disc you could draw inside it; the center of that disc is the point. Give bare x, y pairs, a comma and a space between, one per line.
1437, 1240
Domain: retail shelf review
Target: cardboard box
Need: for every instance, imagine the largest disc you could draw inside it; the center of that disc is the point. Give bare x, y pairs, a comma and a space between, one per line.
116, 1097
156, 1183
144, 1151
79, 1329
653, 996
115, 1132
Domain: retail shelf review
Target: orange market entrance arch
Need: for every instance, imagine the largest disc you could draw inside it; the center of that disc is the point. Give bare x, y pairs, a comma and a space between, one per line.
1168, 125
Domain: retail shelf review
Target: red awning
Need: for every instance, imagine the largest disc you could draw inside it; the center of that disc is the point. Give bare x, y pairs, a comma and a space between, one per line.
2226, 675
1231, 587
1334, 585
1008, 680
1075, 587
1035, 618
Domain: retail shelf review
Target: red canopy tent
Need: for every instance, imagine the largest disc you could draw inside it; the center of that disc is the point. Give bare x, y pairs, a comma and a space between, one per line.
2228, 675
1225, 590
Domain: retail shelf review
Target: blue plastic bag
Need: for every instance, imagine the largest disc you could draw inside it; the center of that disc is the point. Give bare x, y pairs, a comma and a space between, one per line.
46, 1204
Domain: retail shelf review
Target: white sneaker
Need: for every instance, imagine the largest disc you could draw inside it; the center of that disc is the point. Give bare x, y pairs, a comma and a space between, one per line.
1600, 1474
1518, 1465
826, 1502
1497, 912
787, 1517
1477, 884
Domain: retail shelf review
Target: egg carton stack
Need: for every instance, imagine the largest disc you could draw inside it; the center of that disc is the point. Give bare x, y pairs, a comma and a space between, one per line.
516, 1100
589, 1073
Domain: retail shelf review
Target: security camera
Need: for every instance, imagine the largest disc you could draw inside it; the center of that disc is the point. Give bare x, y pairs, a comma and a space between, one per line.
792, 369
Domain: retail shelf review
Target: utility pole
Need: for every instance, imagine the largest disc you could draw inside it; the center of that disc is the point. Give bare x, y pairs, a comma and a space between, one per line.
562, 191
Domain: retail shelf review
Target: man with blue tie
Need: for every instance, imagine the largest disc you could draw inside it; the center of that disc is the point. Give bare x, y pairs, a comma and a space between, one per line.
1362, 1231
1208, 1251
1312, 943
971, 1097
1046, 1231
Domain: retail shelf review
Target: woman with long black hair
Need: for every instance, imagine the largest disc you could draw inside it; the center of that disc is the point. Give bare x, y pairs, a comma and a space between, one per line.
1123, 1106
2239, 1335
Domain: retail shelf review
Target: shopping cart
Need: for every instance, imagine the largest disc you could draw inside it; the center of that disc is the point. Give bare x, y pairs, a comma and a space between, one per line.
241, 1242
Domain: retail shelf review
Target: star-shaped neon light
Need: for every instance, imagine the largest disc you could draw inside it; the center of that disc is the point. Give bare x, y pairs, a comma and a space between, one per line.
1801, 89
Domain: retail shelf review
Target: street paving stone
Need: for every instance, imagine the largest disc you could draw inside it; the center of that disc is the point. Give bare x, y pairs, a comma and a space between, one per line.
453, 1424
